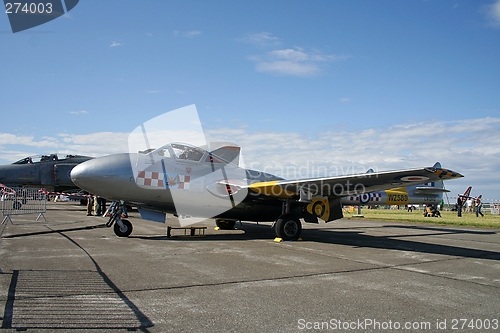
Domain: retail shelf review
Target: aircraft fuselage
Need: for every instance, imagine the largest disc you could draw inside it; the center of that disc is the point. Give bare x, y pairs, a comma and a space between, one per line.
177, 186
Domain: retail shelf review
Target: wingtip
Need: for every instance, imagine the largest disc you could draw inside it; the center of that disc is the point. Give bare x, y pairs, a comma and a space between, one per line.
446, 173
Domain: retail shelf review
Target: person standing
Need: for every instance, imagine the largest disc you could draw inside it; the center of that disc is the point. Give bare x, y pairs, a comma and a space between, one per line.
96, 205
102, 206
459, 206
469, 205
479, 205
90, 204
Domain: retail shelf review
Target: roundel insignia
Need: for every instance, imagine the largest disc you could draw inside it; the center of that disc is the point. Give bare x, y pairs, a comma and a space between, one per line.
414, 178
364, 198
319, 208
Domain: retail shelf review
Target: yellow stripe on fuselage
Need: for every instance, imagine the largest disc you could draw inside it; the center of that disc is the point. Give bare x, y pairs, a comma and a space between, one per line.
398, 196
271, 189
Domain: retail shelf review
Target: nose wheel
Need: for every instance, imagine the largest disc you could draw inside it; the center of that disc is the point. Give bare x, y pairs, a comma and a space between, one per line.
123, 230
122, 227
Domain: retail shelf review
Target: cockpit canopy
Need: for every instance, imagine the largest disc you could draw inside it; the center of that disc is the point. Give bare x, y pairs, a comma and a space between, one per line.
186, 152
37, 158
45, 158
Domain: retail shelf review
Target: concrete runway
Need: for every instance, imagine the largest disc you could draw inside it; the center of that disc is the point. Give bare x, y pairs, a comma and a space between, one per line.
357, 276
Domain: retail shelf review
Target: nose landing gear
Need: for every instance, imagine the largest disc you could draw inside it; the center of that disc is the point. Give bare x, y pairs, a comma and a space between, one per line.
122, 227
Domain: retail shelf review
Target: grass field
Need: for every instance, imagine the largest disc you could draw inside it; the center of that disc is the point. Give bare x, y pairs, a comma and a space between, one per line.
448, 217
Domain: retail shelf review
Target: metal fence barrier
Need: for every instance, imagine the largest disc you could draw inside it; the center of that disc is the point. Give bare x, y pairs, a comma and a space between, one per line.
23, 201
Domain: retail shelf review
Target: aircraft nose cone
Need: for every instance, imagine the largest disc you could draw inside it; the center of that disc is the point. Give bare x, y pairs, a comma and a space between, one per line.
103, 176
82, 172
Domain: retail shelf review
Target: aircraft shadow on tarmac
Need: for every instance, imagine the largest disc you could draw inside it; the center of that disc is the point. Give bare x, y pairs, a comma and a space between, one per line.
393, 243
357, 239
72, 295
51, 231
336, 236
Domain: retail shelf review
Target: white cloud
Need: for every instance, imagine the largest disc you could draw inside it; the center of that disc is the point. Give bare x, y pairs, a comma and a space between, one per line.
115, 44
296, 62
9, 139
93, 144
288, 68
79, 112
187, 33
14, 147
493, 14
344, 100
287, 61
262, 39
192, 33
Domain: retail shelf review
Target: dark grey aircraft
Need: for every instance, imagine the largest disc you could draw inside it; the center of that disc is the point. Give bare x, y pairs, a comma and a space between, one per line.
187, 180
47, 171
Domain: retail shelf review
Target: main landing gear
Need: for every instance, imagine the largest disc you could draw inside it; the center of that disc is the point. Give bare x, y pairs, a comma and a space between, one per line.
288, 227
122, 227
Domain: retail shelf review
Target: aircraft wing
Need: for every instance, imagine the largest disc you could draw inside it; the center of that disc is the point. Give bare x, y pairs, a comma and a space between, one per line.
350, 185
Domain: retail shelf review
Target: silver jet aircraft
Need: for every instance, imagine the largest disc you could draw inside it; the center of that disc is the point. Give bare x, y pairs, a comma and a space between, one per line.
187, 180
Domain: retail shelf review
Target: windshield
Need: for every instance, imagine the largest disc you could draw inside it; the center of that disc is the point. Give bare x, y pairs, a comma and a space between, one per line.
188, 153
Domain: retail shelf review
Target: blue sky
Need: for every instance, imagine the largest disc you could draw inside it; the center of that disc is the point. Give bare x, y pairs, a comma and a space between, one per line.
345, 85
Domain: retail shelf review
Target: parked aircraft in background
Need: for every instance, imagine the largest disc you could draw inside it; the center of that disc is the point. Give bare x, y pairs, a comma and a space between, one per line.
46, 171
182, 179
427, 193
467, 195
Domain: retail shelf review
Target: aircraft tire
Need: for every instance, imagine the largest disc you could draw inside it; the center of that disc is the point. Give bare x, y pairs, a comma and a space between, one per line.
225, 224
119, 232
288, 227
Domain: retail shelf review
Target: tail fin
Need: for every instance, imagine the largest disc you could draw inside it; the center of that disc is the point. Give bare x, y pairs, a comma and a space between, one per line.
467, 192
230, 153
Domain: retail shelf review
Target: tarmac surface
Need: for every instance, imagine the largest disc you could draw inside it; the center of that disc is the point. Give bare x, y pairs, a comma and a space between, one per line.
72, 273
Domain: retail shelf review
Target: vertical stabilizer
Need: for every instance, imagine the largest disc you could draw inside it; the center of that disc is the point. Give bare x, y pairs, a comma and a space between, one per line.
467, 192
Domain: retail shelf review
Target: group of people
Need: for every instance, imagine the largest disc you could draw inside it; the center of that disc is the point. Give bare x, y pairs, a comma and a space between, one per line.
471, 205
96, 205
431, 211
